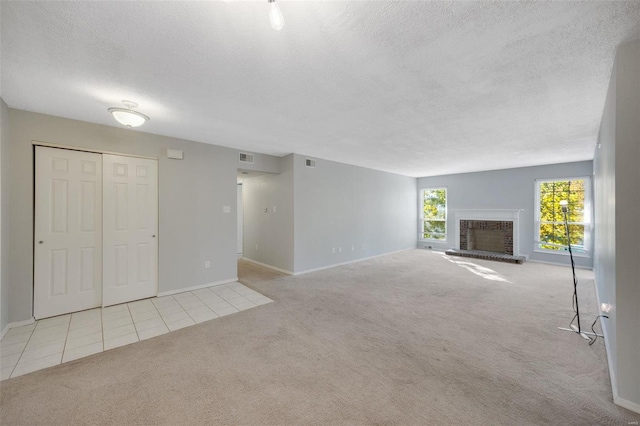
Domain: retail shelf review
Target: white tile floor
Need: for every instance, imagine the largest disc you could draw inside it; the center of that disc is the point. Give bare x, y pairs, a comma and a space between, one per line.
60, 339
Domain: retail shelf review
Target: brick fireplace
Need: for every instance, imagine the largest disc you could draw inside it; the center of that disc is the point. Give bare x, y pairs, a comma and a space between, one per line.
488, 230
487, 235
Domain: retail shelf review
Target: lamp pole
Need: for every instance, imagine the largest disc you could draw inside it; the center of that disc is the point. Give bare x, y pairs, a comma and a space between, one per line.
565, 210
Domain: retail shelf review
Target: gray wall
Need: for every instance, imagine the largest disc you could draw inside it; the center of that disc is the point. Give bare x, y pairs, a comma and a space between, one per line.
192, 193
4, 216
343, 206
271, 231
617, 181
504, 189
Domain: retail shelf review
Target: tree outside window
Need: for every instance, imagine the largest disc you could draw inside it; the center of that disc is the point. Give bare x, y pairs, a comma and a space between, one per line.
434, 214
551, 229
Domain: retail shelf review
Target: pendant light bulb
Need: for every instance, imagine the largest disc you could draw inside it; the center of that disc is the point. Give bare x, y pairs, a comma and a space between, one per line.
275, 15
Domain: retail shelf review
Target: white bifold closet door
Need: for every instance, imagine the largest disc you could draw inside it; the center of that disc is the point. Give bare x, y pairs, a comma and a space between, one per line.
130, 228
67, 232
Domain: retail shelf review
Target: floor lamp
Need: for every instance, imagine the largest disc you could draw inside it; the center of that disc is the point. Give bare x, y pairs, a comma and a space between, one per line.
564, 204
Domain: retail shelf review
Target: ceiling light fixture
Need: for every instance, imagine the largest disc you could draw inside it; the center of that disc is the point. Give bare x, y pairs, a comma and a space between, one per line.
127, 116
275, 16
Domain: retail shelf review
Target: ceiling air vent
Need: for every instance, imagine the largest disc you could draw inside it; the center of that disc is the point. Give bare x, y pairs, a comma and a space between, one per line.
310, 163
246, 158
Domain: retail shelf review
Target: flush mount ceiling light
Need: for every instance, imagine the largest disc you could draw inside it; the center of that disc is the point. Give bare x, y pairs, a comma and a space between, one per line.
127, 116
275, 16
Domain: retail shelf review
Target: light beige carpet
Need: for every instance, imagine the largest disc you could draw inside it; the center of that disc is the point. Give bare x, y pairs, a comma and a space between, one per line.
409, 338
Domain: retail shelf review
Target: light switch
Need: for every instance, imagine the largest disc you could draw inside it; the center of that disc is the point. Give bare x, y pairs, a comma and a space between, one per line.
226, 209
274, 209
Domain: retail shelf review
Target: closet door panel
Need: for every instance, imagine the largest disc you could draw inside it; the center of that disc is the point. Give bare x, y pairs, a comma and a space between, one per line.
130, 228
67, 232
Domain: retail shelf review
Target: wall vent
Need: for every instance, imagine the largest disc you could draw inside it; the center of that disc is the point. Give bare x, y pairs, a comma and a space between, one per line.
246, 158
310, 163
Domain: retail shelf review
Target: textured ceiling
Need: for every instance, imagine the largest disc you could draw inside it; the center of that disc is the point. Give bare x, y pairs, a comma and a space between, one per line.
416, 88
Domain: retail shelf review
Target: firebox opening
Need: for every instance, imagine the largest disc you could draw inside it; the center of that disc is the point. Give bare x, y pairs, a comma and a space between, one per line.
487, 235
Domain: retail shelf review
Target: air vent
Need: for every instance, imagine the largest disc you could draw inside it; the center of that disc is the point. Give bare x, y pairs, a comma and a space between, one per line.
246, 158
310, 163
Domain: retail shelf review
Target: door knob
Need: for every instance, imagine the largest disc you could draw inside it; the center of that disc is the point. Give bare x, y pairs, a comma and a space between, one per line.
153, 236
40, 242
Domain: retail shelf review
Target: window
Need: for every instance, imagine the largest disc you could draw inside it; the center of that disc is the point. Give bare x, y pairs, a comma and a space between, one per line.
550, 228
434, 214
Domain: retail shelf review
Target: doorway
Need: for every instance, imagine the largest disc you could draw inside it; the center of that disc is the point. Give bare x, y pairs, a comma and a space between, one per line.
240, 223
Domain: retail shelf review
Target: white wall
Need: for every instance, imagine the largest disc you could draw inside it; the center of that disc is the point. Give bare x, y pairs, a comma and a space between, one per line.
339, 206
604, 182
617, 182
271, 231
192, 193
504, 189
4, 216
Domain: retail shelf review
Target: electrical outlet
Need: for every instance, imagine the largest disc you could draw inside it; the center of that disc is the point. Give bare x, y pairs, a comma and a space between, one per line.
256, 247
226, 209
207, 264
274, 209
333, 250
353, 248
339, 249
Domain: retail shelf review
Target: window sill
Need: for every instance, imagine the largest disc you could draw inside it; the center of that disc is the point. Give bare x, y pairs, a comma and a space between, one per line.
562, 253
427, 240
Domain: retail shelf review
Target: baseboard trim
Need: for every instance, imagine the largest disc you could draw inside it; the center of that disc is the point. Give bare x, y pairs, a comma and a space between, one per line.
352, 261
284, 271
435, 250
631, 406
16, 324
196, 287
605, 333
546, 262
307, 271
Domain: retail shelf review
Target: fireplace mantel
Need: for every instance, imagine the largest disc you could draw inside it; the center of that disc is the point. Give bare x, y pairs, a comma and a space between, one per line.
512, 215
